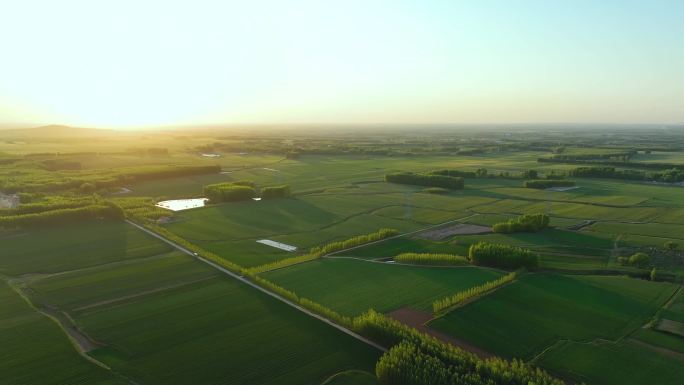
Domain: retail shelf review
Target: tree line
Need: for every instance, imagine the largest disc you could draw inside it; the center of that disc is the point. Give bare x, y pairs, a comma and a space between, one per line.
431, 259
352, 242
484, 173
101, 179
524, 223
230, 191
440, 305
667, 176
275, 192
105, 210
547, 183
242, 190
429, 180
650, 165
502, 256
419, 359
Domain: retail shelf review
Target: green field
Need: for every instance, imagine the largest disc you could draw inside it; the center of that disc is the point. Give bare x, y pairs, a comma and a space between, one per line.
150, 311
351, 286
524, 318
52, 250
86, 288
613, 364
35, 350
210, 331
154, 315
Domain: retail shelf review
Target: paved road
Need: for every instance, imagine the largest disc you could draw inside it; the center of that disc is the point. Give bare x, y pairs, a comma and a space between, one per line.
250, 283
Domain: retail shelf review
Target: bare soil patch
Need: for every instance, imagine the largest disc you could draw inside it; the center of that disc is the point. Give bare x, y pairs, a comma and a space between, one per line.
417, 319
458, 229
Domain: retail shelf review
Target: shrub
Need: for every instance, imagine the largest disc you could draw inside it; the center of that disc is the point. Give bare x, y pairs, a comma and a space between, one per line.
431, 259
502, 256
640, 260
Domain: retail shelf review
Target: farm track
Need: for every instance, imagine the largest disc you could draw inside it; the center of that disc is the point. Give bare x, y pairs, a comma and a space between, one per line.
249, 283
81, 342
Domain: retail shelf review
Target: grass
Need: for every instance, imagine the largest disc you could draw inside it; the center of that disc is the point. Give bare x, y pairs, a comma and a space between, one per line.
624, 363
221, 331
521, 319
35, 350
55, 249
351, 287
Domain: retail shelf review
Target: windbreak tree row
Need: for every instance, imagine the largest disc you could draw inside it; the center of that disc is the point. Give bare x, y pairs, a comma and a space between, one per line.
430, 180
420, 359
525, 223
502, 256
431, 259
440, 305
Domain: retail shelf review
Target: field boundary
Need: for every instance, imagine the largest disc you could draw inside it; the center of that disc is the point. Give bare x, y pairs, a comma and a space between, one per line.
399, 235
261, 289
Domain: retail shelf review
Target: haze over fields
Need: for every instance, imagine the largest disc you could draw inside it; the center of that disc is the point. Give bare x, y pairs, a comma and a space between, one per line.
130, 64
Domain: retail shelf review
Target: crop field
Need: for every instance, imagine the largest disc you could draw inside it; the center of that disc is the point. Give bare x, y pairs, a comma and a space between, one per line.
221, 320
35, 350
351, 286
88, 288
646, 229
59, 249
619, 363
149, 311
598, 298
524, 318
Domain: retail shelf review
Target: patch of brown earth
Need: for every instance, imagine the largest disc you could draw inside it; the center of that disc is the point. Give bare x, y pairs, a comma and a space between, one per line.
417, 319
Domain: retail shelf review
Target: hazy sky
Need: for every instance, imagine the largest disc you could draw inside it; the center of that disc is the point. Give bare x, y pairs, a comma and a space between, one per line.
122, 63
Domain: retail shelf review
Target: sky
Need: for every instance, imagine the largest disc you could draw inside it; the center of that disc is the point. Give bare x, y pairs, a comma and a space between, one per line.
146, 63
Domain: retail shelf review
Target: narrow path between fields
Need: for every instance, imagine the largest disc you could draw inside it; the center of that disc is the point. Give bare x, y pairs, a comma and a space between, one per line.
261, 289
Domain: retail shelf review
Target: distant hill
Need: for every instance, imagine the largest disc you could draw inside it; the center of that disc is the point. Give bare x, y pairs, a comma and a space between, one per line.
54, 130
